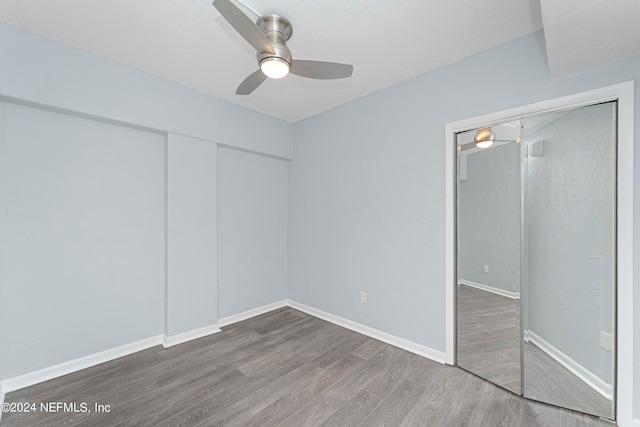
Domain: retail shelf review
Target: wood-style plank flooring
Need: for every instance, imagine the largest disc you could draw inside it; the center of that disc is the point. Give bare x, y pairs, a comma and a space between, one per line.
283, 368
548, 381
489, 346
489, 336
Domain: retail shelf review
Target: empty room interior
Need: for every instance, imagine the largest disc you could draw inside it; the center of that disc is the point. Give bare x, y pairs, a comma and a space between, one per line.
285, 213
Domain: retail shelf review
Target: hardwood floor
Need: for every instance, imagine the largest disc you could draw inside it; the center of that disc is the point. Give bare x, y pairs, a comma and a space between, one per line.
283, 368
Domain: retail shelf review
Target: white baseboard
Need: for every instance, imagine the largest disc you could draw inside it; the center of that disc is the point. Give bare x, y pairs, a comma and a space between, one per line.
424, 351
31, 378
498, 291
168, 341
251, 313
586, 376
65, 368
636, 422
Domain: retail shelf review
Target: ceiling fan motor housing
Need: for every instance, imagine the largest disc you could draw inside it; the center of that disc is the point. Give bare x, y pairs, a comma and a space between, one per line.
278, 30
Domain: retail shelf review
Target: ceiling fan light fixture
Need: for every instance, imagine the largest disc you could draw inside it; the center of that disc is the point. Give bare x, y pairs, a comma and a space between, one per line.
268, 36
484, 144
484, 138
274, 67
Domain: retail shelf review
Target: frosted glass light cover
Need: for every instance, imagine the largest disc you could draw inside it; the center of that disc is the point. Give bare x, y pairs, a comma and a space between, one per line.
484, 144
274, 68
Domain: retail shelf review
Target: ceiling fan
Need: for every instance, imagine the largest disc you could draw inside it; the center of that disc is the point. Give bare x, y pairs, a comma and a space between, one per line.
268, 36
484, 138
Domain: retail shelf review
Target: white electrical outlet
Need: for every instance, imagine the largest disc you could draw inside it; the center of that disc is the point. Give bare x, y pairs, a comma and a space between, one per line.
363, 297
606, 341
485, 268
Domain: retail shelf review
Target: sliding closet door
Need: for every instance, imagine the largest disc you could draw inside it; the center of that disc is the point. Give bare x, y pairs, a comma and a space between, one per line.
569, 252
488, 270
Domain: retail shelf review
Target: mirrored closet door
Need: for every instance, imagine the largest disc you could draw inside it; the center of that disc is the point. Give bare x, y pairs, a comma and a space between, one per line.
489, 233
536, 256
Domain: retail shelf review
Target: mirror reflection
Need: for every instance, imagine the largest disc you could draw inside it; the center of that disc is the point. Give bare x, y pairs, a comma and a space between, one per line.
488, 224
536, 256
569, 170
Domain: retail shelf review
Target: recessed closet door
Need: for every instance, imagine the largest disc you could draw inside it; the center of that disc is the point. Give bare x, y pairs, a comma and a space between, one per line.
82, 246
488, 260
569, 253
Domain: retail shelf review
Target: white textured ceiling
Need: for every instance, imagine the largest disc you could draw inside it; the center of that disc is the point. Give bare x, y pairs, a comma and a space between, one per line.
583, 34
188, 41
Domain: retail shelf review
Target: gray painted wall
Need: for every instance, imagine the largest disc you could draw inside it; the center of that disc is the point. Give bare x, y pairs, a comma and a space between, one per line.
570, 201
40, 70
489, 218
192, 227
82, 260
252, 258
82, 247
367, 188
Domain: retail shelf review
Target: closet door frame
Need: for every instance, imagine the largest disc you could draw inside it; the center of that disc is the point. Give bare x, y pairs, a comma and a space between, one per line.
624, 94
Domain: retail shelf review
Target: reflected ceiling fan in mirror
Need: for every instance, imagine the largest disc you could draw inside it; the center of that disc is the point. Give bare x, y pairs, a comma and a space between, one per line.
484, 138
268, 36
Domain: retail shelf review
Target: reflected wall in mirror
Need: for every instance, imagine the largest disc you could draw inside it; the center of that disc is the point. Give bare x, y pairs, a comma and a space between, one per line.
569, 284
488, 270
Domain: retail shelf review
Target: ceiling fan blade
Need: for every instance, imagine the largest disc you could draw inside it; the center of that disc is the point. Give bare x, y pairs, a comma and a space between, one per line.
320, 69
244, 26
250, 84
